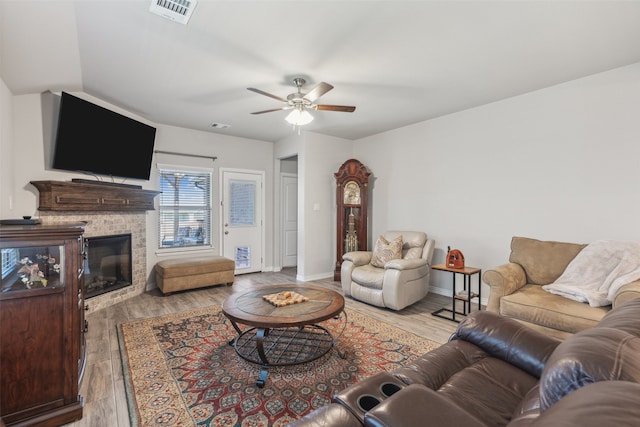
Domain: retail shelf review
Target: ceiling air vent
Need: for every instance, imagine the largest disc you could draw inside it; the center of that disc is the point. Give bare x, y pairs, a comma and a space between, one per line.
175, 10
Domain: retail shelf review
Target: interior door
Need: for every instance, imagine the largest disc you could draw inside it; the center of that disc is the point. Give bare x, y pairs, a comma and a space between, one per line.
242, 219
289, 211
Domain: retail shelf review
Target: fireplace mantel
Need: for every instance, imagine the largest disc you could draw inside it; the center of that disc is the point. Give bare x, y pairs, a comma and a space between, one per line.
89, 197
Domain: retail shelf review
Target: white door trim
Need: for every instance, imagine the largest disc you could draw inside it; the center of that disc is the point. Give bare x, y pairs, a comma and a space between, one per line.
283, 245
221, 190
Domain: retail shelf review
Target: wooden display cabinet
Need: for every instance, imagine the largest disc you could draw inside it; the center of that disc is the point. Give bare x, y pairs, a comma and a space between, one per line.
42, 325
352, 197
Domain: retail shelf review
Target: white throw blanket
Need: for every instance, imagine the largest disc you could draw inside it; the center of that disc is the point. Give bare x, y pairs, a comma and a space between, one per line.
598, 271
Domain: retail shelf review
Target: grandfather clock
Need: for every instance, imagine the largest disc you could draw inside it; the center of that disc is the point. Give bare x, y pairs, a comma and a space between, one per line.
352, 191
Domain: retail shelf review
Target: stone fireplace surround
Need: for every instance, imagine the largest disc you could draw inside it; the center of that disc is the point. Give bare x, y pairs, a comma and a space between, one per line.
109, 223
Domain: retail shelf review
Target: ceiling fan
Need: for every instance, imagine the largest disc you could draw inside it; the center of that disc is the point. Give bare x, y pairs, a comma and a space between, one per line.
299, 102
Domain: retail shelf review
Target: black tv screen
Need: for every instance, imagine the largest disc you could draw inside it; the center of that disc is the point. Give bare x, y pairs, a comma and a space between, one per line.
98, 141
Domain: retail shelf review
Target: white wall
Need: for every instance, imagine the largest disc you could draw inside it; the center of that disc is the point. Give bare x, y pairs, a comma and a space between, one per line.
28, 154
6, 152
319, 157
23, 160
283, 149
231, 152
561, 163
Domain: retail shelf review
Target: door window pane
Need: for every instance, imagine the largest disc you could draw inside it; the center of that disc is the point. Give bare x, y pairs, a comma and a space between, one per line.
242, 203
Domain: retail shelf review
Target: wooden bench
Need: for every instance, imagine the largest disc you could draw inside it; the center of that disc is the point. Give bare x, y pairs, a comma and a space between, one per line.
178, 274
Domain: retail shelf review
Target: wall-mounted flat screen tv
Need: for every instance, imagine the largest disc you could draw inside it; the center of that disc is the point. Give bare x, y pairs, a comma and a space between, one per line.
98, 141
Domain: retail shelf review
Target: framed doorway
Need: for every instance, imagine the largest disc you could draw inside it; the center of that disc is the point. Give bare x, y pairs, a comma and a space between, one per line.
289, 223
242, 218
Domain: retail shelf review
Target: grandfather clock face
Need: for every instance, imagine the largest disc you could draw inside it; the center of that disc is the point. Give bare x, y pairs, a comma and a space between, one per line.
352, 193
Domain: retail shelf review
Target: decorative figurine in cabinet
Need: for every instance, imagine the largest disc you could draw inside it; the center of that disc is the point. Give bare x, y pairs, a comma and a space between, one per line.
352, 195
43, 354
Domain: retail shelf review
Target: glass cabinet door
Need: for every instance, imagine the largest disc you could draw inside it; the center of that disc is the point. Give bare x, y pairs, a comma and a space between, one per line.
32, 267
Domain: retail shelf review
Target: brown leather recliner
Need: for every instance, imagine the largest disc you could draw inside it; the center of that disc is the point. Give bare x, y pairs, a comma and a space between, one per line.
497, 372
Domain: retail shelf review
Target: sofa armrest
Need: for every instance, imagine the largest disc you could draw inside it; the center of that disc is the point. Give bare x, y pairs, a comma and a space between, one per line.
358, 257
503, 280
351, 260
508, 339
417, 405
605, 403
626, 293
333, 414
405, 264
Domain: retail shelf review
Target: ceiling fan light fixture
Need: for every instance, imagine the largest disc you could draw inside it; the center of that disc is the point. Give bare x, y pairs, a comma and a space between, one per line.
300, 103
299, 117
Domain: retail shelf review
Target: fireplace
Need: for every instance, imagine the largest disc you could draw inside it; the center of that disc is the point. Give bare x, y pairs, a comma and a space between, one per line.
108, 264
109, 224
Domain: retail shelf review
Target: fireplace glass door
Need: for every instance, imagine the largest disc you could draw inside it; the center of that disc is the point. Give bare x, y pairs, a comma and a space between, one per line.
108, 264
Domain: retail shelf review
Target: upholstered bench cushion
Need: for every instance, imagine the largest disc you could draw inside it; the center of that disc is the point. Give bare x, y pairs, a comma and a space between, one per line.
189, 273
179, 267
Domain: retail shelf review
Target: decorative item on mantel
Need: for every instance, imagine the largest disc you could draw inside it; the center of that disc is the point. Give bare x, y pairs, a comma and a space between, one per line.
352, 190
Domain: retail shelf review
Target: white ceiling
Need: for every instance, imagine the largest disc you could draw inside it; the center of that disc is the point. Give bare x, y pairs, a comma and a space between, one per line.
399, 62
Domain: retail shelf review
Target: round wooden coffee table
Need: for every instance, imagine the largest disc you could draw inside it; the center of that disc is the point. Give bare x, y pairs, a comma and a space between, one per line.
285, 335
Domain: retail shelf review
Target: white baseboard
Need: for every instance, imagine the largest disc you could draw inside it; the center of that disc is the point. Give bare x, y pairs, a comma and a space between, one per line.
314, 277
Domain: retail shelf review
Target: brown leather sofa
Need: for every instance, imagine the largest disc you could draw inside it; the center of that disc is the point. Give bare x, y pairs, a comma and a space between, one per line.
516, 289
495, 371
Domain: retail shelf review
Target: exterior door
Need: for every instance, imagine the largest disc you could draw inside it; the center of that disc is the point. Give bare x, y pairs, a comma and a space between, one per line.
289, 211
242, 219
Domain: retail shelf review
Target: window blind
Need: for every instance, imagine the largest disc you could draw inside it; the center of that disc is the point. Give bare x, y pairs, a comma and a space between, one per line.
185, 208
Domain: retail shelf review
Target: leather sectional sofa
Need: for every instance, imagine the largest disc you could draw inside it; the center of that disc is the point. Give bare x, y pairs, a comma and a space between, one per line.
495, 371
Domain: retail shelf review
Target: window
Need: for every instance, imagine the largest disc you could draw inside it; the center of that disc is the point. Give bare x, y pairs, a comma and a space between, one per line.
185, 208
9, 261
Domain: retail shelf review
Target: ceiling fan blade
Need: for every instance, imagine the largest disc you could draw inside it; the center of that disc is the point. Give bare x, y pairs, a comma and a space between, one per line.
261, 92
317, 91
272, 110
343, 108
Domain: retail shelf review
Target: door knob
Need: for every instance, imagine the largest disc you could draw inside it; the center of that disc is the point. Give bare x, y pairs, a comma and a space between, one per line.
226, 232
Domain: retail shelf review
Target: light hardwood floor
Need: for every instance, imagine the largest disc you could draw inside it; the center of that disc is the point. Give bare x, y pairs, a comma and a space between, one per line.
103, 384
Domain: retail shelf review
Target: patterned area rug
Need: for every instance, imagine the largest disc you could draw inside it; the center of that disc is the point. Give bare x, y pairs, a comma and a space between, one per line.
180, 370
